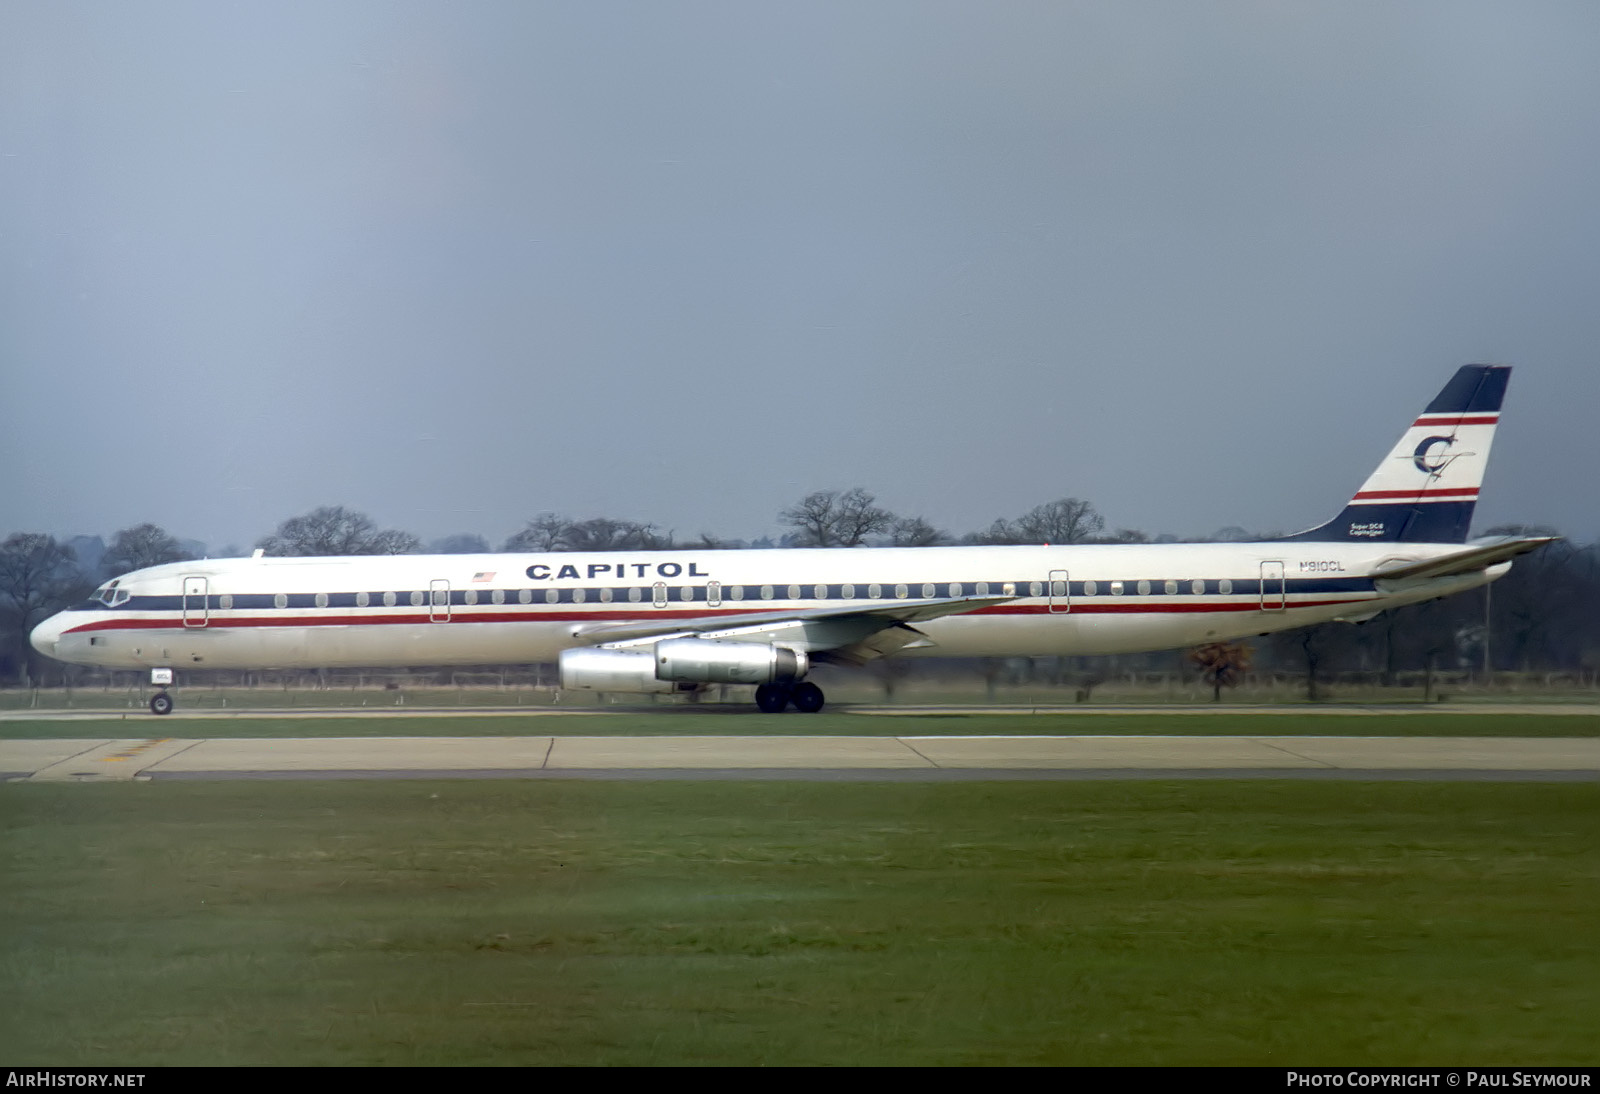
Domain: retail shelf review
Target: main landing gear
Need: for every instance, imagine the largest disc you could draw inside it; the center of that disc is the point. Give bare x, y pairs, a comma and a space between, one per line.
806, 697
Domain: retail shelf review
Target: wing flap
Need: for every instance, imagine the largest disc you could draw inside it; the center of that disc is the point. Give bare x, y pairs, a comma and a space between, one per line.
851, 625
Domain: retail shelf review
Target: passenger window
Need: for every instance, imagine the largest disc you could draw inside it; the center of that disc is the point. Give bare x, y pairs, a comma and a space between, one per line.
686, 594
579, 595
766, 592
901, 592
389, 600
1197, 587
736, 592
225, 601
416, 600
634, 594
848, 592
1172, 587
1144, 588
322, 600
982, 588
280, 601
820, 592
1090, 588
363, 599
552, 596
1116, 588
1034, 588
1225, 586
524, 596
955, 588
794, 592
498, 596
470, 596
874, 591
1009, 588
927, 589
605, 596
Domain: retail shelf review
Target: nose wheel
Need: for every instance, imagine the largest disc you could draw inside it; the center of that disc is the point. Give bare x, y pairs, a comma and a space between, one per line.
806, 697
161, 680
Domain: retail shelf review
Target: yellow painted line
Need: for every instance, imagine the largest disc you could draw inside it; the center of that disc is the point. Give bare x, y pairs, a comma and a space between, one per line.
134, 752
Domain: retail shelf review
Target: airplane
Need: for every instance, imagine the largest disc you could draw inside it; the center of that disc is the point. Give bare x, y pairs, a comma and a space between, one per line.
675, 621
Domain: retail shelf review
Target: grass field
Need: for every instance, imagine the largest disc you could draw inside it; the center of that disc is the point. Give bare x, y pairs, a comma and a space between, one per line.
738, 723
786, 923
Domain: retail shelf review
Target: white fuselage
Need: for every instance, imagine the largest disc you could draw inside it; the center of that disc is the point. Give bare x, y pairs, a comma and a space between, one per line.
520, 608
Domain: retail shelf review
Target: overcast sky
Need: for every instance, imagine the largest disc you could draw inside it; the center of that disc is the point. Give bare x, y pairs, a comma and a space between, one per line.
458, 264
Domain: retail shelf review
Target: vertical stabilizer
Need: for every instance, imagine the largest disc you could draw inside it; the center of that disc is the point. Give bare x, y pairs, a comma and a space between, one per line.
1425, 489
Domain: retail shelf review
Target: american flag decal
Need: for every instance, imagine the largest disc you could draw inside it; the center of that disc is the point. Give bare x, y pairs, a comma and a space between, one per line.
484, 575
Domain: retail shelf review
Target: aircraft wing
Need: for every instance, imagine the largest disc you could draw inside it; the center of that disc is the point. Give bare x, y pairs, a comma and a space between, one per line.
1477, 556
854, 634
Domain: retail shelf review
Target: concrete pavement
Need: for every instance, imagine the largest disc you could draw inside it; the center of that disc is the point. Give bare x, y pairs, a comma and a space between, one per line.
156, 758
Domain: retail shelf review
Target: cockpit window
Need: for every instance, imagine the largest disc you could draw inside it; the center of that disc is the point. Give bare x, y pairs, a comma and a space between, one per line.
110, 595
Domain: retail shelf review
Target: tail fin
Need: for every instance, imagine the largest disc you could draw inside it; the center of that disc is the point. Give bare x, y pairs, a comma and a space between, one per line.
1424, 491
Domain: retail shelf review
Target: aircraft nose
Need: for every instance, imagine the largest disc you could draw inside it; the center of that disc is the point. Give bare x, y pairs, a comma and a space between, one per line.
44, 636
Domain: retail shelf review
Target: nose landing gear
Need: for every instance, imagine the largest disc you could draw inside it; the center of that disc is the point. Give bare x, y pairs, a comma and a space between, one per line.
161, 702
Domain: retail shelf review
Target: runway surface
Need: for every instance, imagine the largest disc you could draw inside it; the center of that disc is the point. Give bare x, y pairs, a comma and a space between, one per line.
858, 758
136, 712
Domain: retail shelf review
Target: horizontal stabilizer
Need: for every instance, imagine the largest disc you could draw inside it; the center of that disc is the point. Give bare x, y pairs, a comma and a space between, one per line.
1477, 557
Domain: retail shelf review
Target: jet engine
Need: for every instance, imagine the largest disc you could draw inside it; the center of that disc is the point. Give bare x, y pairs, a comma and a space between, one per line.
676, 661
706, 660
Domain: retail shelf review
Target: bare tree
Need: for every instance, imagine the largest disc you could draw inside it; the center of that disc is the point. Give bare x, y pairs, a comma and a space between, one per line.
37, 577
462, 543
138, 547
544, 532
605, 534
549, 532
830, 518
335, 530
1001, 532
1068, 520
916, 532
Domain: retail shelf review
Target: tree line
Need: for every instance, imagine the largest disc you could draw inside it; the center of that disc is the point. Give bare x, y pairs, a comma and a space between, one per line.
1544, 616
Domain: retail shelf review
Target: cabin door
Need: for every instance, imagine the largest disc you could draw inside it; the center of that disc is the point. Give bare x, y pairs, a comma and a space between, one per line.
196, 604
1272, 594
439, 600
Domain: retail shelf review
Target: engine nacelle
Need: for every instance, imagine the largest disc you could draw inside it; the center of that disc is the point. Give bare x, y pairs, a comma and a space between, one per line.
709, 661
611, 670
671, 664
